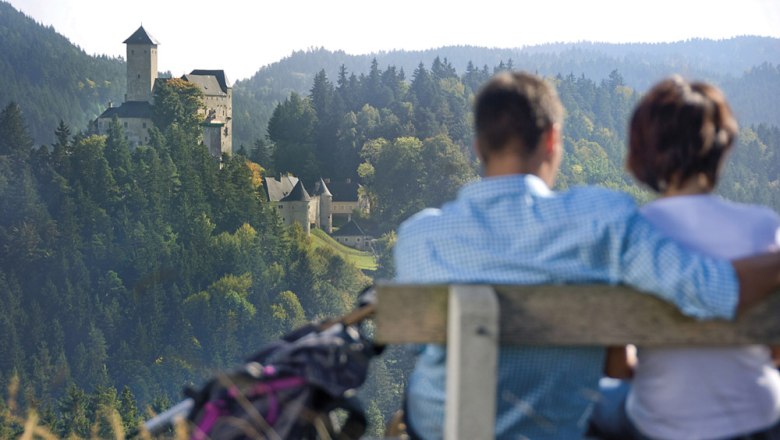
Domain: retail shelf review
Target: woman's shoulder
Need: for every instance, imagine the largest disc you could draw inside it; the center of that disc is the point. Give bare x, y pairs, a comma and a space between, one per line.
758, 213
711, 204
715, 222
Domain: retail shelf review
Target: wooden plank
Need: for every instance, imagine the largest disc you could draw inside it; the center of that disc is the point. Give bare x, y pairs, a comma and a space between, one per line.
571, 315
411, 314
472, 363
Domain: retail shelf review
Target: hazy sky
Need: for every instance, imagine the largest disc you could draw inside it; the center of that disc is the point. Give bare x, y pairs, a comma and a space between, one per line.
242, 36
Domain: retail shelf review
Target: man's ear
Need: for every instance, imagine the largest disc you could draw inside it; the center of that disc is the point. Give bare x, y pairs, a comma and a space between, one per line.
550, 138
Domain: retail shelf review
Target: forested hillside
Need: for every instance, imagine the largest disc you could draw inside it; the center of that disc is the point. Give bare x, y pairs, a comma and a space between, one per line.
50, 78
145, 269
127, 274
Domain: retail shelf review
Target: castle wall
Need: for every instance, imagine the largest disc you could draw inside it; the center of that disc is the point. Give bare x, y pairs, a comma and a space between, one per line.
295, 212
141, 71
344, 207
326, 213
136, 129
212, 138
359, 242
283, 211
300, 215
227, 131
222, 106
314, 211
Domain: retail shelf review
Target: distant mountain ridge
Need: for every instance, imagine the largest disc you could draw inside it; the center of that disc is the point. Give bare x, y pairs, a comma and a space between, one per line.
735, 64
52, 79
732, 57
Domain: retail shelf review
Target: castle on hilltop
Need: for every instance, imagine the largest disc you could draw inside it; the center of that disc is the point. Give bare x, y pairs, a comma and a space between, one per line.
135, 114
328, 199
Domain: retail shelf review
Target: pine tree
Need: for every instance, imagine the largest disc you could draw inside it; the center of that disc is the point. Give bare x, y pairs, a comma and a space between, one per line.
128, 410
74, 408
323, 100
118, 153
15, 141
292, 130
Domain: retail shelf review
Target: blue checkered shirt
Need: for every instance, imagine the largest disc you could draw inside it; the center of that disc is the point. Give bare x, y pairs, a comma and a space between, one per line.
514, 230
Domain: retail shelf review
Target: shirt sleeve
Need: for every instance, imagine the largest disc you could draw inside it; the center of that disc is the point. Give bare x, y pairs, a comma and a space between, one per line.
700, 286
409, 251
401, 257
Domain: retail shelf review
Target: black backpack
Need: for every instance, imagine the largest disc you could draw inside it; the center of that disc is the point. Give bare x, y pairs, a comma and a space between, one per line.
291, 389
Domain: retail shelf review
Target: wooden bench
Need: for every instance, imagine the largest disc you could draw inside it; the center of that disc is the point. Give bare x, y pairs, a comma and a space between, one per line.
474, 320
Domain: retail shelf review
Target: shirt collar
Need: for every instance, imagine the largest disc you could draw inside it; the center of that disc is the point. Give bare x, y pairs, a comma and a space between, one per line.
512, 183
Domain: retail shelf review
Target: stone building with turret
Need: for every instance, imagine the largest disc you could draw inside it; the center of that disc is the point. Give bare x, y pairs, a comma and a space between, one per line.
295, 204
135, 114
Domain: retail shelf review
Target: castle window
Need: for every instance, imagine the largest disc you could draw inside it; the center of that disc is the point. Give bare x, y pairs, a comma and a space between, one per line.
144, 124
125, 124
139, 75
132, 51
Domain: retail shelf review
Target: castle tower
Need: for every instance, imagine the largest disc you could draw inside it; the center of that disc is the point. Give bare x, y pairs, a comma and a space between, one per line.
218, 99
141, 65
326, 205
298, 207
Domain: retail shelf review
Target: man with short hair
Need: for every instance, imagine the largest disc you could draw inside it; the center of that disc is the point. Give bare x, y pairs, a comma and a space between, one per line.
510, 228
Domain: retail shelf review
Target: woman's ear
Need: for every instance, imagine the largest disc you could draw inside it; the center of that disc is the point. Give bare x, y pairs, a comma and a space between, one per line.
478, 151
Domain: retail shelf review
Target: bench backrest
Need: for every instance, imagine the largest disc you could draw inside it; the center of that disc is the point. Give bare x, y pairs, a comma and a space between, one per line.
474, 320
570, 315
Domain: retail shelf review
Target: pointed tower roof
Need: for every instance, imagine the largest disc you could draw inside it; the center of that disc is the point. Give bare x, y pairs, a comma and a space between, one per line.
141, 37
320, 189
298, 194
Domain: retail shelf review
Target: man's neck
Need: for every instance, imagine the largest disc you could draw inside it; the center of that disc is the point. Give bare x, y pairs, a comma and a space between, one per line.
508, 164
502, 165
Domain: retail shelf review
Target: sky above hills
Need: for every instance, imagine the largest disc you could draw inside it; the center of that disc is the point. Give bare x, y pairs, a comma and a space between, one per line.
242, 36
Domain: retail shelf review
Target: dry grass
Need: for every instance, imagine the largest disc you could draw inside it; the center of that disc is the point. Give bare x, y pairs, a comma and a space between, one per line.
32, 429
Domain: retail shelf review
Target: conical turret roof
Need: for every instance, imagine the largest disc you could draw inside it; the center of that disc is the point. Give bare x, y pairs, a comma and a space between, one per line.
298, 194
320, 189
141, 37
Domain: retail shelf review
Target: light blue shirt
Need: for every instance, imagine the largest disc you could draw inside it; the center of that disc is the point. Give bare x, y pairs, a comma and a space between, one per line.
514, 230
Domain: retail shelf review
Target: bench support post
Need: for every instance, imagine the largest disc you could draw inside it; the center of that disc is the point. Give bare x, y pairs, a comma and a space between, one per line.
472, 363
